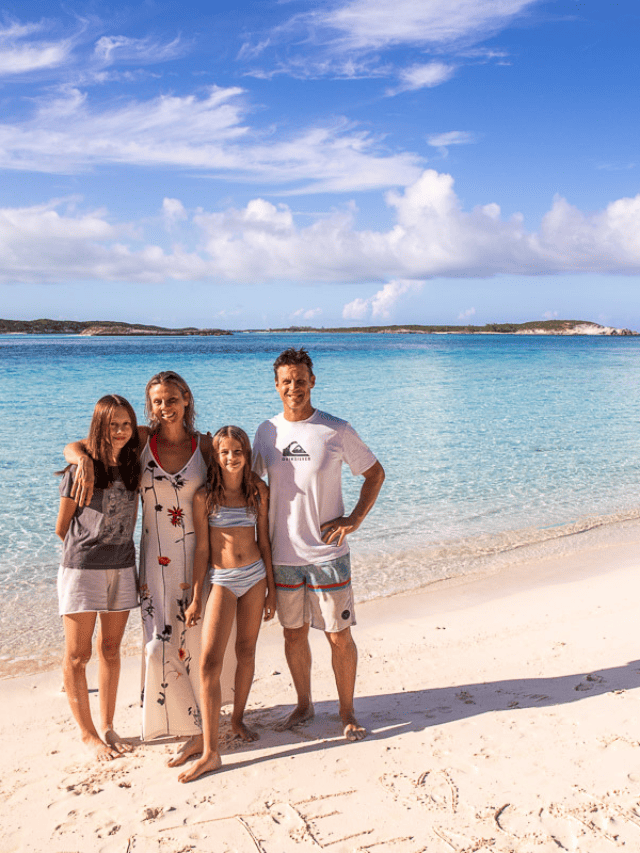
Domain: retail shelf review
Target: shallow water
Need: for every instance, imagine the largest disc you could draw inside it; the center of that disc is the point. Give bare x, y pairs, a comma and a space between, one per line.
489, 442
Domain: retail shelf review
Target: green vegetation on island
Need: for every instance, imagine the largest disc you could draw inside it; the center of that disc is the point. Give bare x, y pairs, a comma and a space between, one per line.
96, 328
533, 327
103, 328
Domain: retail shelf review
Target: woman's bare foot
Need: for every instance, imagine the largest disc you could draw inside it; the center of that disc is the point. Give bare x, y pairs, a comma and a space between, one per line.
193, 746
113, 739
297, 716
241, 731
206, 764
101, 750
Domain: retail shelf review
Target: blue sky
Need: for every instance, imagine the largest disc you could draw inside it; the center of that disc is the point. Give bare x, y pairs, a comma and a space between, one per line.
267, 164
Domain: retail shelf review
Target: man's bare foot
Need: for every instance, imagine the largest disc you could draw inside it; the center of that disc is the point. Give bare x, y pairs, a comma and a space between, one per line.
353, 731
241, 731
206, 764
113, 739
101, 750
193, 746
297, 716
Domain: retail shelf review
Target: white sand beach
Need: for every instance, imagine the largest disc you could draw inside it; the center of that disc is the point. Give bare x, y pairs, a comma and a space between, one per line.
504, 715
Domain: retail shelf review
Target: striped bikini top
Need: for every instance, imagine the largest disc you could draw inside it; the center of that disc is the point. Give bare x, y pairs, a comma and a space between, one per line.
232, 516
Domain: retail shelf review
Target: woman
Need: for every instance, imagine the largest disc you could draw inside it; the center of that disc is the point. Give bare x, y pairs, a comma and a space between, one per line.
174, 464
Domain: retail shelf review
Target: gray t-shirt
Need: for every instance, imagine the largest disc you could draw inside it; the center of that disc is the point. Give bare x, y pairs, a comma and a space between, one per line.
100, 535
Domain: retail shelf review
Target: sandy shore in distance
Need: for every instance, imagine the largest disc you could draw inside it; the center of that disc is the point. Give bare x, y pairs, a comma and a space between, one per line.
504, 715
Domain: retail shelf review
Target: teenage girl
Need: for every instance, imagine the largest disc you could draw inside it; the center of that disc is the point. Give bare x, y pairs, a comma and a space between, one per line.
230, 515
97, 572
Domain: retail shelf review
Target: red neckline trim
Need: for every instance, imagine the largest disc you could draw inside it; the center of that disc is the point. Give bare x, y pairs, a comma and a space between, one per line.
153, 445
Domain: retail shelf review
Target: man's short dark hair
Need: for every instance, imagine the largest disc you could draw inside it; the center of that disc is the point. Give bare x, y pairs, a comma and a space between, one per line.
292, 358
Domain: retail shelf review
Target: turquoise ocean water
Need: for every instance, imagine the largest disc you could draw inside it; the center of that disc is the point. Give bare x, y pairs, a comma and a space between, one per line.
490, 443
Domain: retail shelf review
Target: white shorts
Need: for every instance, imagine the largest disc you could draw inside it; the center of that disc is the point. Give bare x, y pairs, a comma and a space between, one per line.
318, 595
97, 590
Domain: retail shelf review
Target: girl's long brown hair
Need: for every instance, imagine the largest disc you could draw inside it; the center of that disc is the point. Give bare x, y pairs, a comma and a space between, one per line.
98, 445
169, 377
215, 484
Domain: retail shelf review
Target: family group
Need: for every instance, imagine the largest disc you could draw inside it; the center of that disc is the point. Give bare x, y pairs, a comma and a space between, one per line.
218, 544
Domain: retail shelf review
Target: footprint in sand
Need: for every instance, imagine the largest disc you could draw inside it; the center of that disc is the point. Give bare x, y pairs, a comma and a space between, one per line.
521, 825
590, 680
432, 789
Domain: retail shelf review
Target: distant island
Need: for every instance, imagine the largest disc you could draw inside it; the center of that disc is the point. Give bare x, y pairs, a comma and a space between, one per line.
535, 327
109, 328
98, 328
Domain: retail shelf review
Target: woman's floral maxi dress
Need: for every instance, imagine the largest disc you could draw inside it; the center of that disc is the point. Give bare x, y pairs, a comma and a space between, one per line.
170, 665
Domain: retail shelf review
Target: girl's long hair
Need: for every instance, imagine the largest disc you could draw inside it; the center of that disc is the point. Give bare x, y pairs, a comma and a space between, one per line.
98, 445
215, 483
169, 377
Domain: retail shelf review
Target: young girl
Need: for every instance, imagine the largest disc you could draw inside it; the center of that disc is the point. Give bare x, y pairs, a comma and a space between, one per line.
97, 570
230, 515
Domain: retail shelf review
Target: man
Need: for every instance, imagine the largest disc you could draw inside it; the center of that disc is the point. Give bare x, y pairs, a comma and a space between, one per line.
302, 451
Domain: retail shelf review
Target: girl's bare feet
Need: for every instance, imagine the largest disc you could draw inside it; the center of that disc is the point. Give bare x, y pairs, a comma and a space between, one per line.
101, 750
206, 764
113, 739
241, 731
193, 746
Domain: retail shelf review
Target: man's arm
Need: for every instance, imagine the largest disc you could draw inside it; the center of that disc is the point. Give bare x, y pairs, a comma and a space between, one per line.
338, 528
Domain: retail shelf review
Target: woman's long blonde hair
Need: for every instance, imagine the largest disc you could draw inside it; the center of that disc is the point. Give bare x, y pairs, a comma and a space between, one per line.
215, 483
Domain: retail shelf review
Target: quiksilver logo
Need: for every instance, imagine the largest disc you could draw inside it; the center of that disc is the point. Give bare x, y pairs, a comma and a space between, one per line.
295, 452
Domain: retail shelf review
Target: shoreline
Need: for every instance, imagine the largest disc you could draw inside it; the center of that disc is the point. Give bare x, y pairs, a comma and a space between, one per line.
502, 712
112, 328
442, 565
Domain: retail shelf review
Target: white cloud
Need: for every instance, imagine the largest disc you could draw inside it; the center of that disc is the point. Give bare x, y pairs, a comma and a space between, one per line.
304, 314
356, 310
467, 315
208, 133
442, 141
354, 38
173, 212
375, 24
20, 53
423, 77
382, 303
111, 49
432, 236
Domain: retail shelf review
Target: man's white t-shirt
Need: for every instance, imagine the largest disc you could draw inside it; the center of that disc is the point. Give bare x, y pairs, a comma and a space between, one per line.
303, 461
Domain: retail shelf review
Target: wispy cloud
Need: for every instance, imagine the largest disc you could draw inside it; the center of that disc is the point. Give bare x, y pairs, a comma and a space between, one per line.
65, 52
122, 49
422, 77
376, 24
442, 141
209, 134
357, 38
23, 51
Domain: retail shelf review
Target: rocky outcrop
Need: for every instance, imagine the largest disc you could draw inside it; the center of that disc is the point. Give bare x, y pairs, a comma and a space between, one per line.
571, 328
